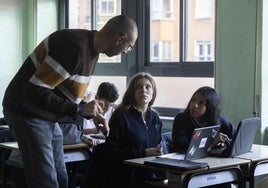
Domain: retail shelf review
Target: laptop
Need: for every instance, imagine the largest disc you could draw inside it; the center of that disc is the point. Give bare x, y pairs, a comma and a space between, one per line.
244, 136
243, 139
201, 140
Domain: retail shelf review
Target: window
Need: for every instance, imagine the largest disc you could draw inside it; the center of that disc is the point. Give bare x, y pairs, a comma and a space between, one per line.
20, 35
107, 7
155, 51
174, 44
12, 36
203, 9
179, 48
202, 51
166, 50
162, 9
161, 51
46, 23
178, 35
80, 16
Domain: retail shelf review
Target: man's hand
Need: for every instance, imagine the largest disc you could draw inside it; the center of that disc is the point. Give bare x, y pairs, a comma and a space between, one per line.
93, 108
101, 124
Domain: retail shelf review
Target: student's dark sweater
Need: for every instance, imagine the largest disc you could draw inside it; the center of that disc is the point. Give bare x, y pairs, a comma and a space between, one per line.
128, 138
54, 77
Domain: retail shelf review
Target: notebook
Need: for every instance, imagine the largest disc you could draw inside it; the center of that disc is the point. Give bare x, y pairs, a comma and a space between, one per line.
175, 164
243, 139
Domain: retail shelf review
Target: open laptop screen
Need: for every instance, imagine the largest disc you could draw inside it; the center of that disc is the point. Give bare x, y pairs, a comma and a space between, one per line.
244, 136
201, 140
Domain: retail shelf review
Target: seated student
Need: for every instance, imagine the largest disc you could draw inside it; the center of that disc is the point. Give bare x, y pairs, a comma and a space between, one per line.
108, 93
135, 131
74, 128
202, 110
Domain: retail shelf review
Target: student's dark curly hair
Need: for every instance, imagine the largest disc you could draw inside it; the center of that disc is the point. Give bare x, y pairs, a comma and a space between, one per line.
213, 110
107, 91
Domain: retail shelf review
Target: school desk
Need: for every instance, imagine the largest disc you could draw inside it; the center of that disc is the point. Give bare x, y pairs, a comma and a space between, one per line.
221, 170
72, 153
259, 163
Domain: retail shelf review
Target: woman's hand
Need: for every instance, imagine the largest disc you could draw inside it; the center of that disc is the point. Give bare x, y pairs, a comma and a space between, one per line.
157, 151
220, 139
92, 141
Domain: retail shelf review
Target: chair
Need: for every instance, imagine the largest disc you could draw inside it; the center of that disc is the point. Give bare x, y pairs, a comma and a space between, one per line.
5, 136
2, 121
166, 142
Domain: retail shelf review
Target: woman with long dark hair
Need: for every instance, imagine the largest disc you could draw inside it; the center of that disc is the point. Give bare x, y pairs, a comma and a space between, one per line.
203, 110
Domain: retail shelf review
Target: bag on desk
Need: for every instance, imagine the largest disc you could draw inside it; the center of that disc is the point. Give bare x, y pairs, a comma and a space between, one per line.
175, 164
72, 130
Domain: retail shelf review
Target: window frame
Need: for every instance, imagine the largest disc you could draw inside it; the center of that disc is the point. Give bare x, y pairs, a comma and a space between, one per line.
181, 68
139, 59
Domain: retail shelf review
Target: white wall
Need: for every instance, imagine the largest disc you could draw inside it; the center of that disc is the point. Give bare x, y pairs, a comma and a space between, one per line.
264, 69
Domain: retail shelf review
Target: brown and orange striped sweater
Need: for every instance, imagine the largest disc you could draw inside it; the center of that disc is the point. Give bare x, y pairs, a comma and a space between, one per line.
54, 77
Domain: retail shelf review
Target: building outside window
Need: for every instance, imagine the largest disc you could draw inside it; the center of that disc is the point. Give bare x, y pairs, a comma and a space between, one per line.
202, 51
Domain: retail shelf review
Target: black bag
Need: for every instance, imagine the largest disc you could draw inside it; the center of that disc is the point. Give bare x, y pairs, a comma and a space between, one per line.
72, 129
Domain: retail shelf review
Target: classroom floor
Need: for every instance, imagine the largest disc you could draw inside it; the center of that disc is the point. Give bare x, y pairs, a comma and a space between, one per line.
16, 177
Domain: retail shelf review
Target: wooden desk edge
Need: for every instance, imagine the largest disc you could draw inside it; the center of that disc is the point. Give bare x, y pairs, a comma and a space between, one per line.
14, 146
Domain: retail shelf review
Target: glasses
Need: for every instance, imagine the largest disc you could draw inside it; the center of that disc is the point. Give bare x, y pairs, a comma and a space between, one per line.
130, 47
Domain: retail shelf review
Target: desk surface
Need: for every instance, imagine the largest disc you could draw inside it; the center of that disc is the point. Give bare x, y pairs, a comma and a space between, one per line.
72, 153
5, 127
257, 153
14, 146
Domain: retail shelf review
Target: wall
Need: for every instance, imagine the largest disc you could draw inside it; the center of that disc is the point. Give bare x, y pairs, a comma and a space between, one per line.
19, 33
264, 68
237, 67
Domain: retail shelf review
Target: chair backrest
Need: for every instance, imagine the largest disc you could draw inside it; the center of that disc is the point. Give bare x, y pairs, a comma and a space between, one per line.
2, 121
166, 142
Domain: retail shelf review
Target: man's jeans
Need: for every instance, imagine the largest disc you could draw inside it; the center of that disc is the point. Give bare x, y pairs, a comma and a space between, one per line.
41, 146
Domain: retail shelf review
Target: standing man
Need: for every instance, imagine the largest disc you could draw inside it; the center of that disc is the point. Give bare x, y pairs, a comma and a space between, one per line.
49, 85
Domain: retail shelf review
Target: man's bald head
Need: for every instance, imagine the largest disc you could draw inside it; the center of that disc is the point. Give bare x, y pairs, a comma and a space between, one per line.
121, 24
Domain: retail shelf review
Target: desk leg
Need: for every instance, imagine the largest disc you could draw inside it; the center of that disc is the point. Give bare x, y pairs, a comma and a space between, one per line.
7, 153
257, 169
174, 180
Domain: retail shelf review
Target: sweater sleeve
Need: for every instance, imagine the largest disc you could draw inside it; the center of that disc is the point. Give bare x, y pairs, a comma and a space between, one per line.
227, 127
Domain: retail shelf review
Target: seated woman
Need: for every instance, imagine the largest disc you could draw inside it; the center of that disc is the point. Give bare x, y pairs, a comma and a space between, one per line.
135, 131
202, 110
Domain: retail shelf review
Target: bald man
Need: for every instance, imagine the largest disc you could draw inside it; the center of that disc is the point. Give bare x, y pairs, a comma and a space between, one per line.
50, 84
